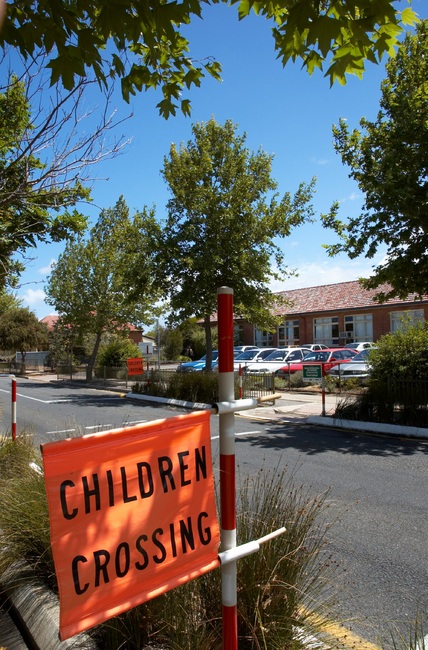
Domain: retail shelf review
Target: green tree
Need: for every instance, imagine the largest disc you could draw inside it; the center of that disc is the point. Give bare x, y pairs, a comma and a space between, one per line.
96, 286
20, 331
222, 219
141, 42
173, 344
28, 207
8, 301
388, 159
401, 355
46, 153
114, 352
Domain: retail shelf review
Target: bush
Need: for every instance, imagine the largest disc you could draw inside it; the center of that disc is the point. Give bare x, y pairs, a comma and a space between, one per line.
400, 355
397, 388
115, 353
194, 387
173, 345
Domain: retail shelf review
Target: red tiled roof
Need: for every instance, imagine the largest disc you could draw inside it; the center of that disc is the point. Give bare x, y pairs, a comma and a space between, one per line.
52, 319
334, 297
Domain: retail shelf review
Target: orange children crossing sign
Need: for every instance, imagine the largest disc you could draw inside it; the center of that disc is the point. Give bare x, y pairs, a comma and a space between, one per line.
135, 366
132, 515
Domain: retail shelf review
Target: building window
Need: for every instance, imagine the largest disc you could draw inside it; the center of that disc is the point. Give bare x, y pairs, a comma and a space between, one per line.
358, 327
402, 319
262, 338
238, 335
326, 330
288, 334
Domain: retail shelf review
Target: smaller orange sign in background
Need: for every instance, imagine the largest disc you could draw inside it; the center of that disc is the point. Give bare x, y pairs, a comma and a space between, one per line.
135, 366
132, 515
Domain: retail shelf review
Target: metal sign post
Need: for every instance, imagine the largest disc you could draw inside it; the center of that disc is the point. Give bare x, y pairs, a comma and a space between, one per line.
13, 408
227, 467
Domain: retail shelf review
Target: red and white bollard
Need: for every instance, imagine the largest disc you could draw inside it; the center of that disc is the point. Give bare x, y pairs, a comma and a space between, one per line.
13, 409
227, 467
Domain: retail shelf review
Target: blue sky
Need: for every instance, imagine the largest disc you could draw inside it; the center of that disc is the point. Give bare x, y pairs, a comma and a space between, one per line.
282, 110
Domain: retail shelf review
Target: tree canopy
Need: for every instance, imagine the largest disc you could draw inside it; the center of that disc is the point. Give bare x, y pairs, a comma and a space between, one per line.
143, 43
222, 220
93, 285
30, 211
20, 331
388, 159
47, 147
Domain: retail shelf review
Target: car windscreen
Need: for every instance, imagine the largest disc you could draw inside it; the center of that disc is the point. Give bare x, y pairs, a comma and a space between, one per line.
362, 356
246, 356
317, 356
277, 355
264, 353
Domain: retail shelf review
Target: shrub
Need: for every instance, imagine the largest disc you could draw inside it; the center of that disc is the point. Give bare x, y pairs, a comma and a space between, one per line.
115, 353
173, 344
194, 387
402, 354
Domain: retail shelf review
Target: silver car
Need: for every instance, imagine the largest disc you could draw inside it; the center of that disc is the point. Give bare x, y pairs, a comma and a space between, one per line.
357, 368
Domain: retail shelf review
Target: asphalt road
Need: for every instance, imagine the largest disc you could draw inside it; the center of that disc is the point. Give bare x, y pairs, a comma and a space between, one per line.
378, 490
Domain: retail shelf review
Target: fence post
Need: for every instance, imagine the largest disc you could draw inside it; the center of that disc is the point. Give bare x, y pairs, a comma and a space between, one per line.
323, 388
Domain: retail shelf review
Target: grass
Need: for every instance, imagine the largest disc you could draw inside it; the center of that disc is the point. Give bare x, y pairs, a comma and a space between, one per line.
288, 576
286, 591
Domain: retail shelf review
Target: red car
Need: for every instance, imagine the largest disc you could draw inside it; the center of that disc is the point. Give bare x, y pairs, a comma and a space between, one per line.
330, 357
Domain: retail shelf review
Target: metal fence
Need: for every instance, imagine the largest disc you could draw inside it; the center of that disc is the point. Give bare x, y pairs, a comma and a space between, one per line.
260, 385
157, 382
396, 401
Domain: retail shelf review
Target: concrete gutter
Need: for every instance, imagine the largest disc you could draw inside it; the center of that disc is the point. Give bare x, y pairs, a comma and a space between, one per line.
34, 611
369, 427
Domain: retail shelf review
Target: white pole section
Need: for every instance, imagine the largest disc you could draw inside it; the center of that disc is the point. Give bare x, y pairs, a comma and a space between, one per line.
227, 466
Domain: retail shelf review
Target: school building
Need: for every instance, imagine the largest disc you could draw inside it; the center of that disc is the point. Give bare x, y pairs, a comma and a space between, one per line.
334, 314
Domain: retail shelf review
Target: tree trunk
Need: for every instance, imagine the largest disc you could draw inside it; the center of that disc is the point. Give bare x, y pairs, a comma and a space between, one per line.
209, 344
23, 366
93, 357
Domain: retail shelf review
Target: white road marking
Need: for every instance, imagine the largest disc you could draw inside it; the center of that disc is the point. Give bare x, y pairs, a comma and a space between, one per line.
126, 423
98, 426
242, 433
60, 431
57, 401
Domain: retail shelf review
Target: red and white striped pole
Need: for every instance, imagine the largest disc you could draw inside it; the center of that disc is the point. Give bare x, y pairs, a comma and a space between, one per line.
227, 467
13, 409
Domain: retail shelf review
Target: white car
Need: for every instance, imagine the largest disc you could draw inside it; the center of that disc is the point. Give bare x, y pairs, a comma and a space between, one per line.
363, 345
277, 359
250, 356
314, 346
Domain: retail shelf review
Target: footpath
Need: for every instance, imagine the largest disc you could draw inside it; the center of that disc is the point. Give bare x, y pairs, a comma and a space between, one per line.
37, 613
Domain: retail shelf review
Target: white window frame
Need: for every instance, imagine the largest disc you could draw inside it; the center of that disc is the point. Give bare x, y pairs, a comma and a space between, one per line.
399, 320
360, 327
262, 338
326, 330
288, 333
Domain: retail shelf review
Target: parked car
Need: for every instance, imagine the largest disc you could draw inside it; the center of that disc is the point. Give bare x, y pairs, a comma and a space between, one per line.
364, 345
243, 348
195, 366
276, 360
249, 356
314, 346
329, 358
357, 368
